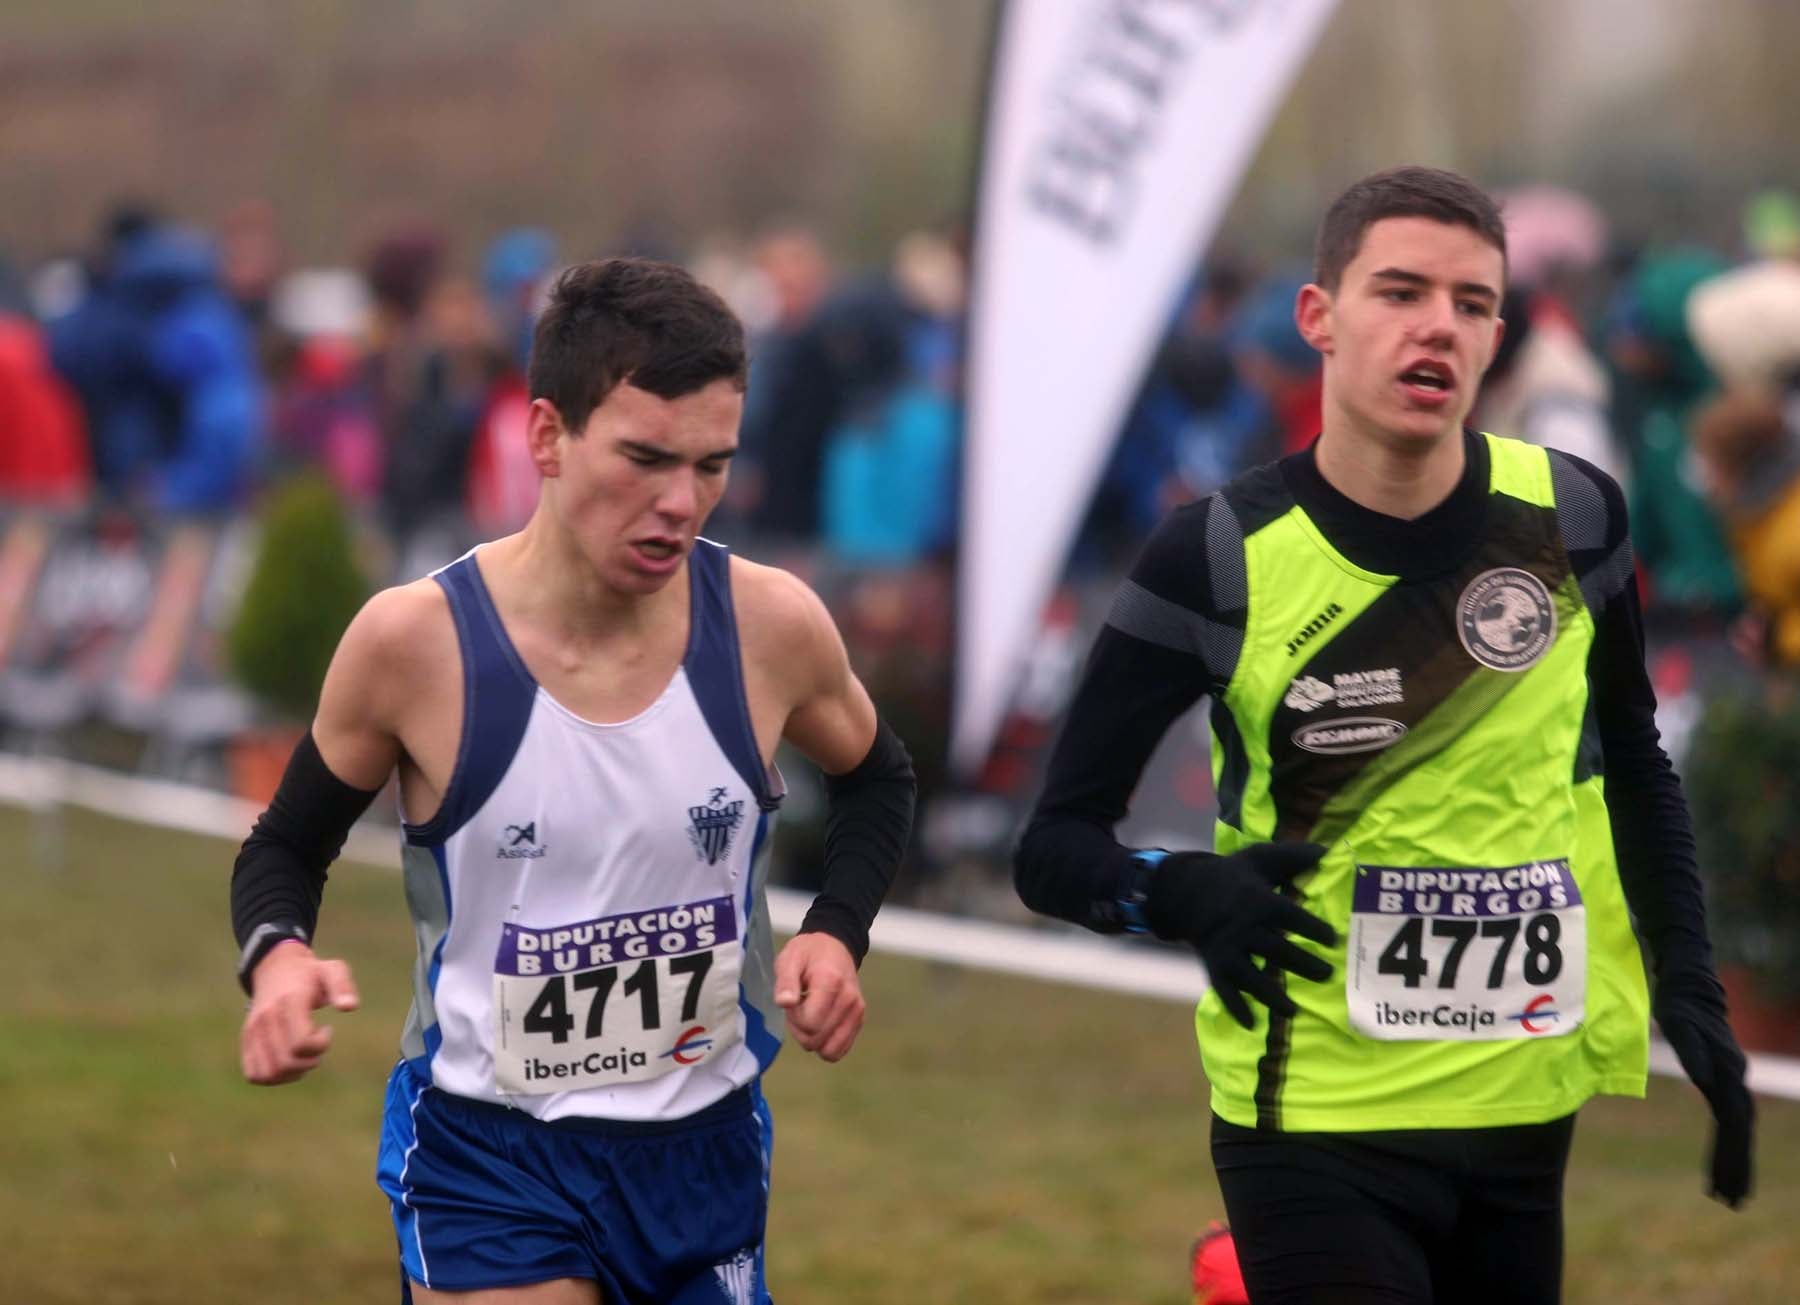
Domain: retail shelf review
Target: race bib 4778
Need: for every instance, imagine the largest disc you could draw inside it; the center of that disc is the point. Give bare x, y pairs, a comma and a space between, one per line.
621, 999
1467, 954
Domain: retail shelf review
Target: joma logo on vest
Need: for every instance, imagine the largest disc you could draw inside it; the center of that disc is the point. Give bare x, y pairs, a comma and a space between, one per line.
1312, 627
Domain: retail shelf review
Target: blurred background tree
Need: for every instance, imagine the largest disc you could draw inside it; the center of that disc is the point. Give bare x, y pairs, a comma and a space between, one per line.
1739, 778
305, 586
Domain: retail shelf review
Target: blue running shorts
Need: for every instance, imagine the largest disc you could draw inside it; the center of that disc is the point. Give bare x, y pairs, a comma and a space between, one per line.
486, 1196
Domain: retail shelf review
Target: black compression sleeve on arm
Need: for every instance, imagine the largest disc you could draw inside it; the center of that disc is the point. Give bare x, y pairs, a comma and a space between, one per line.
1172, 637
1652, 834
1068, 864
870, 819
279, 877
1653, 837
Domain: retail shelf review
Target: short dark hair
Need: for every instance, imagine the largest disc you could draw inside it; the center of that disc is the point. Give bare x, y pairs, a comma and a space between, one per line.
631, 319
1402, 192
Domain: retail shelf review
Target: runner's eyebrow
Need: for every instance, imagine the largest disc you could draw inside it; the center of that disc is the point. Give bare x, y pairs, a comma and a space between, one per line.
657, 453
1475, 289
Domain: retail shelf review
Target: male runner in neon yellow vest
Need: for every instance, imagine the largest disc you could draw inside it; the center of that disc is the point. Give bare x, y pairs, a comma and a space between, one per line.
1442, 799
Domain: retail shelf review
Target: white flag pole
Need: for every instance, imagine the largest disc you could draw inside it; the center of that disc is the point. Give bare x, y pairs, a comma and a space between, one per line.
1116, 134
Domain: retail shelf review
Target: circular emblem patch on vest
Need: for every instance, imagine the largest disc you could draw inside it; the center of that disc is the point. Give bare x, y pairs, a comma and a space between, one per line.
1505, 619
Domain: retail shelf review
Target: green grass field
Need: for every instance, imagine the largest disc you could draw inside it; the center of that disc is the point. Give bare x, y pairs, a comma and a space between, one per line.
991, 1140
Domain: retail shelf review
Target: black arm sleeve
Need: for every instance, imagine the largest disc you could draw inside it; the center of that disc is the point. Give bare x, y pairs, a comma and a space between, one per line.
1173, 635
1652, 834
866, 829
279, 878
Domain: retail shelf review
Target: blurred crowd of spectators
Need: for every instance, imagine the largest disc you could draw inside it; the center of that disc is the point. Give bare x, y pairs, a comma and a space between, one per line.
174, 373
169, 375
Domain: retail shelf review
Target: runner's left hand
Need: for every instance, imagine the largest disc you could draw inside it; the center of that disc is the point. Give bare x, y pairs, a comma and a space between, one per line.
1692, 1017
816, 984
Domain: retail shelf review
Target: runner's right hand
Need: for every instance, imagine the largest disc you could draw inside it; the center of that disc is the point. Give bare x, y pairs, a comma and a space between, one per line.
1227, 907
280, 1040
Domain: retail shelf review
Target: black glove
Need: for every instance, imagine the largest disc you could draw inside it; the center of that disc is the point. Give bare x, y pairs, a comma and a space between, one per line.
1227, 907
1690, 1010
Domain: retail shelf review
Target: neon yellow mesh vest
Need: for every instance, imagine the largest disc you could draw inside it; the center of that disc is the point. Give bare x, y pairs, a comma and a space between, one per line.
1430, 734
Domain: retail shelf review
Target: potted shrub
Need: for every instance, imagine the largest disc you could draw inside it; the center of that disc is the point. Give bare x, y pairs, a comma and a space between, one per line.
304, 587
1741, 779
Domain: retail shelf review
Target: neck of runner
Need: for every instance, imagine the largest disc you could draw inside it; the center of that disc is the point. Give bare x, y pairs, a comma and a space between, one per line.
1436, 540
1403, 478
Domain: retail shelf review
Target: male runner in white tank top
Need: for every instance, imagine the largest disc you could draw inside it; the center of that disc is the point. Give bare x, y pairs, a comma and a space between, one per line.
607, 681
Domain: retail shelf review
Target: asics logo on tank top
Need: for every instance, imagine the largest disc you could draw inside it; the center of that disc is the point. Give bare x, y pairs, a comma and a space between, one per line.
519, 843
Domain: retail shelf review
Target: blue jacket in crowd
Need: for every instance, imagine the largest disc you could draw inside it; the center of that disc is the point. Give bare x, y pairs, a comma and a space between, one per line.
166, 370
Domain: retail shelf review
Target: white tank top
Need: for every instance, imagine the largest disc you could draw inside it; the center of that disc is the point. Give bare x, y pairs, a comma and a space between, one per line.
588, 900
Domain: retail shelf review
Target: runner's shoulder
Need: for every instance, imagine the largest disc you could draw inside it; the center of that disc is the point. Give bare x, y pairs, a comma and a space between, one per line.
1195, 558
784, 627
1589, 503
775, 606
403, 631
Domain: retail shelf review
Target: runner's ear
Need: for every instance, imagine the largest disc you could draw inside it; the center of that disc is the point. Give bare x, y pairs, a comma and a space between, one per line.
543, 428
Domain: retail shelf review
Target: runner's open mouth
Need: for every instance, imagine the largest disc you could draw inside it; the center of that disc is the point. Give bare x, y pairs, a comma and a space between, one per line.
1426, 378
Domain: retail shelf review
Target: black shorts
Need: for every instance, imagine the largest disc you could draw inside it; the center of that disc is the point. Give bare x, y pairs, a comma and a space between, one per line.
1417, 1217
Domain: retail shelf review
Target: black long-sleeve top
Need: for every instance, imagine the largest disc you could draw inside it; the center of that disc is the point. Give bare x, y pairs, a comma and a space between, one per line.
1133, 688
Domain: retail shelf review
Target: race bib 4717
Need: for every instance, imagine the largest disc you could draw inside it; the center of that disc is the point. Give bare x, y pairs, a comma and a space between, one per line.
621, 999
1467, 954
